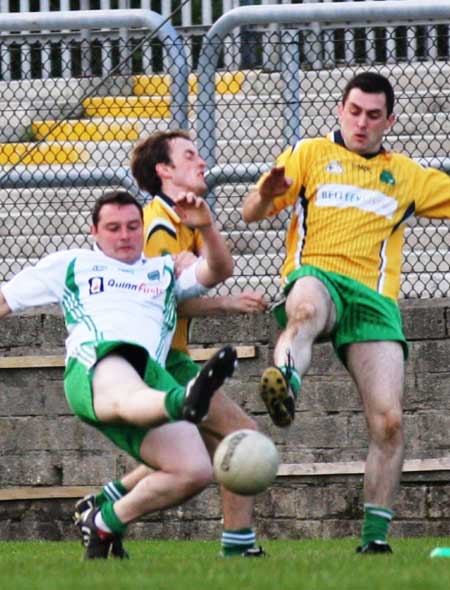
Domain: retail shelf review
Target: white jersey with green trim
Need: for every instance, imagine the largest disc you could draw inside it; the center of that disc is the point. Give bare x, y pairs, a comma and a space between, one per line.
104, 299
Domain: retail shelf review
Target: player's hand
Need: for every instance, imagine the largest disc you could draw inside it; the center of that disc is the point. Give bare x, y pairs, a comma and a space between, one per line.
192, 210
246, 302
274, 184
182, 261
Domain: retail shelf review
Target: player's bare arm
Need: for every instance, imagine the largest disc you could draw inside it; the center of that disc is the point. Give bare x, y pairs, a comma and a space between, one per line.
4, 307
183, 260
246, 302
217, 264
258, 201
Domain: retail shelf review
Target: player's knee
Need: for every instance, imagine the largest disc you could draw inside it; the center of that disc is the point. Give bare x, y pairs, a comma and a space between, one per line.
390, 427
196, 477
303, 313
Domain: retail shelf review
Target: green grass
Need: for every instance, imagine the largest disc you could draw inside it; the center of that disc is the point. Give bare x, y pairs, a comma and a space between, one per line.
194, 565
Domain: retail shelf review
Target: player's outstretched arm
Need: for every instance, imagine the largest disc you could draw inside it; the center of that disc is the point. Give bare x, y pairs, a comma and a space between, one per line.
245, 302
258, 201
4, 307
217, 264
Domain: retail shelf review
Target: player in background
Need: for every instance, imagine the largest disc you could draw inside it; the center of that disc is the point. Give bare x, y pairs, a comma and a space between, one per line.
165, 165
351, 198
120, 313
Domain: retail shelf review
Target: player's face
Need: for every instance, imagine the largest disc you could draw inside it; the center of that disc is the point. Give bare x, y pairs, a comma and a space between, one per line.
364, 121
186, 172
119, 232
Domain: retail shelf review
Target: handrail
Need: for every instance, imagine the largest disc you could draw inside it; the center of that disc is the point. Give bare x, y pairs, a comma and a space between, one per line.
178, 67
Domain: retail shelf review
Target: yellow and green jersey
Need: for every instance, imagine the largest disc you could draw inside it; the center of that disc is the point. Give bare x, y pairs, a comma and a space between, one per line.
164, 233
349, 211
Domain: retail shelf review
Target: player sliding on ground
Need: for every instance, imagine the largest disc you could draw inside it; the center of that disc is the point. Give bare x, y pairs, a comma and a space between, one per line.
120, 313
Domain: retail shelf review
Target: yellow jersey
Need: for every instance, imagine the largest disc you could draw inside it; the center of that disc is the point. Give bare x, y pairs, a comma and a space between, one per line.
164, 233
349, 211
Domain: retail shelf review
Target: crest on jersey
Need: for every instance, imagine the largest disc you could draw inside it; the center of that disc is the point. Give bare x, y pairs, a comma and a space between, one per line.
96, 285
154, 275
387, 177
334, 167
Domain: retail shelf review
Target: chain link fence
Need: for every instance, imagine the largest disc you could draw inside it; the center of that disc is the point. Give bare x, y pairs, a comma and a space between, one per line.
90, 124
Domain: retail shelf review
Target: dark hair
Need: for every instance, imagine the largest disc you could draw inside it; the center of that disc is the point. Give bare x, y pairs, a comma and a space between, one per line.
150, 152
372, 83
118, 197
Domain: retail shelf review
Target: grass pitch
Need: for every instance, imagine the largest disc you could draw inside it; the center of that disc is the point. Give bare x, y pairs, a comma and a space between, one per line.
194, 565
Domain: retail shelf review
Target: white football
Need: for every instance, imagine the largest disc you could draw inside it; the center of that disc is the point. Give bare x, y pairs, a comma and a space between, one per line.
246, 462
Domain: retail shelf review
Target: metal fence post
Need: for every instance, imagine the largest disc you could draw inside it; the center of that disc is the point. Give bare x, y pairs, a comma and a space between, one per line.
290, 73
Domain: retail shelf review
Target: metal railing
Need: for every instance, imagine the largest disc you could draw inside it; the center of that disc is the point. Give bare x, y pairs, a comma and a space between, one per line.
39, 54
86, 52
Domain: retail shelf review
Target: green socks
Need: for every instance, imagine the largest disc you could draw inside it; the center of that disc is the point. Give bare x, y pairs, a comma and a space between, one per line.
174, 401
111, 519
111, 491
376, 523
292, 377
235, 543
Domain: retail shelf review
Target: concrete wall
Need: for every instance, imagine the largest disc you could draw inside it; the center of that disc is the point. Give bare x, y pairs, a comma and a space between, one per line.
42, 445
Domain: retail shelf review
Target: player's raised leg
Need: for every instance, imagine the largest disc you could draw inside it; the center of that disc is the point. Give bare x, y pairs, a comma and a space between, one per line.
128, 398
310, 312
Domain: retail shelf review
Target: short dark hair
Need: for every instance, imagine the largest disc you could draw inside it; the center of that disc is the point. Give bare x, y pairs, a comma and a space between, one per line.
117, 197
150, 152
373, 83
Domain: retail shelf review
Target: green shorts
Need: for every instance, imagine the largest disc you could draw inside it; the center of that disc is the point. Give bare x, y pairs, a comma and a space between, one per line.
362, 314
78, 390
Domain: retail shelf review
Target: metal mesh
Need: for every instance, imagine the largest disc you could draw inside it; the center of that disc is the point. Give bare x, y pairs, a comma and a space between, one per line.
65, 120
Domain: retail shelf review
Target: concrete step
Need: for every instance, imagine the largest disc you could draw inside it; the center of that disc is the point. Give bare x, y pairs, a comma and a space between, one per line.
34, 247
48, 199
230, 219
268, 284
127, 106
46, 153
425, 285
419, 75
34, 222
256, 241
86, 130
429, 260
226, 83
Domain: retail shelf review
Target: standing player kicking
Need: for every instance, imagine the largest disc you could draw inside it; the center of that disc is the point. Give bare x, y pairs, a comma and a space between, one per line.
350, 201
